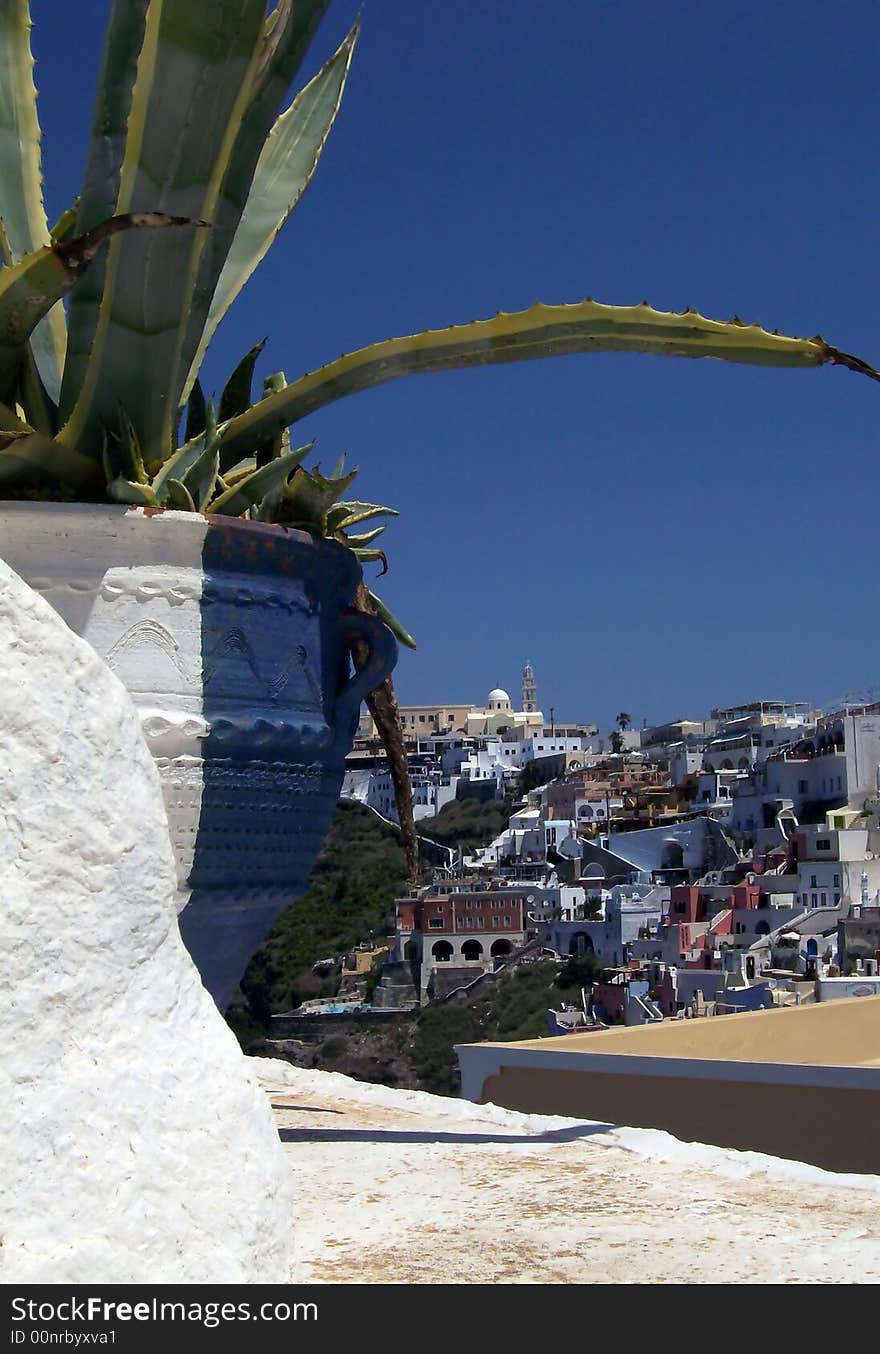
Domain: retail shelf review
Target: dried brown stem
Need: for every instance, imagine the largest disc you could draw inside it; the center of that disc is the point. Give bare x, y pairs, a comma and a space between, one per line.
382, 705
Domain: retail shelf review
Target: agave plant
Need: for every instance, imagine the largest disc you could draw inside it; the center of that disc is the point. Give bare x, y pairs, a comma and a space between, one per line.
192, 129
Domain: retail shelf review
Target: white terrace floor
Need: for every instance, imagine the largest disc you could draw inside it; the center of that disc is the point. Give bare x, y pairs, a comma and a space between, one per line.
402, 1187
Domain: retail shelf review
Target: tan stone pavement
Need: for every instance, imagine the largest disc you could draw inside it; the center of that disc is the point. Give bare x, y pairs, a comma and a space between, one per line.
402, 1187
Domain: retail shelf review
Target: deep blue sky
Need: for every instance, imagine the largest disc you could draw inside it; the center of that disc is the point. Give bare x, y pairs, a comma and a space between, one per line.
655, 535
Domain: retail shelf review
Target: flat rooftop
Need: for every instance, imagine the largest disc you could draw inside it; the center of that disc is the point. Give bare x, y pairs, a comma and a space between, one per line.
843, 1033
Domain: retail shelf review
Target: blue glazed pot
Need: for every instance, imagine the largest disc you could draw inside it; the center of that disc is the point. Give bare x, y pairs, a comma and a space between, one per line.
234, 640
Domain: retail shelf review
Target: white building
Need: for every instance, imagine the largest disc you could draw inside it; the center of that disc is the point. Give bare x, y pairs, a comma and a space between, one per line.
498, 715
835, 766
836, 866
430, 792
545, 742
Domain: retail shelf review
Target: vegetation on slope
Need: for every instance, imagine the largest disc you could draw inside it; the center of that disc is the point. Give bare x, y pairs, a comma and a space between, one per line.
514, 1008
467, 823
356, 878
354, 883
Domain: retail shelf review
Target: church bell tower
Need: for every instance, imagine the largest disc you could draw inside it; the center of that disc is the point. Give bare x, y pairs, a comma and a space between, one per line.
529, 690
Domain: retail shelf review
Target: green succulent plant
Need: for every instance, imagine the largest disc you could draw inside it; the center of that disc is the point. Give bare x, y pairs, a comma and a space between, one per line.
190, 130
195, 164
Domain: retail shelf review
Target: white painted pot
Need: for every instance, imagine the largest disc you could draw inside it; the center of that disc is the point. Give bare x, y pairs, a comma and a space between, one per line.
233, 639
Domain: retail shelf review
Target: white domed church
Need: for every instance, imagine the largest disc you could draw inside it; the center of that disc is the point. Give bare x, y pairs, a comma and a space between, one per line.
498, 714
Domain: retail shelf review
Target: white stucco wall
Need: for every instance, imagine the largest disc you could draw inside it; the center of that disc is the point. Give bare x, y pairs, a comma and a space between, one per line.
136, 1146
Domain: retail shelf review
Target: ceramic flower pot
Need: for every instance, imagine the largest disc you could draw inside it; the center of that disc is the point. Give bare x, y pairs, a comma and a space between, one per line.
233, 639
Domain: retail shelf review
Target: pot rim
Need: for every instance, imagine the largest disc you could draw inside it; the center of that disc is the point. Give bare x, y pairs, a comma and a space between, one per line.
217, 521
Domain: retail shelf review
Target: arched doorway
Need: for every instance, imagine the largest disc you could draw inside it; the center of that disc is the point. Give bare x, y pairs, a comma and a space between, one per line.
471, 950
501, 947
442, 951
580, 943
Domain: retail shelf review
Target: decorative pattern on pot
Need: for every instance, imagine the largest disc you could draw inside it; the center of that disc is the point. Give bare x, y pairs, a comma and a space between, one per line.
234, 641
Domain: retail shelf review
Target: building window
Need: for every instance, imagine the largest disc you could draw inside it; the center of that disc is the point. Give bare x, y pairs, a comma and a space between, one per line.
436, 923
812, 881
814, 900
824, 899
837, 881
802, 787
823, 843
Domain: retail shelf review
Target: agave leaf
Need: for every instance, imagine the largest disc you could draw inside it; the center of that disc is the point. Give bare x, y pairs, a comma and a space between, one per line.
39, 410
286, 36
305, 504
195, 75
367, 556
337, 471
284, 170
358, 542
130, 491
541, 331
29, 288
22, 378
21, 193
196, 413
309, 499
391, 621
123, 39
122, 459
362, 512
334, 485
236, 395
31, 458
176, 466
200, 478
254, 488
64, 227
209, 483
239, 471
179, 496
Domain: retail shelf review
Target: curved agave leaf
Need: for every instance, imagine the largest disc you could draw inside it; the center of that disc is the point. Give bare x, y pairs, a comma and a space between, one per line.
284, 170
236, 397
65, 226
29, 288
286, 36
352, 513
180, 497
21, 192
254, 488
200, 479
122, 490
29, 457
195, 75
358, 542
40, 411
123, 40
196, 413
391, 621
178, 465
541, 331
239, 471
309, 499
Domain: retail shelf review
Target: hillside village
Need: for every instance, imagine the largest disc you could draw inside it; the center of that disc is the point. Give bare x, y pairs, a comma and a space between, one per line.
702, 867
